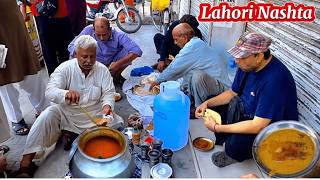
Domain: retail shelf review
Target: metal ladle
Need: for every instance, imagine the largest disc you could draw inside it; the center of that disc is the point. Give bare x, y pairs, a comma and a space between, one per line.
88, 114
91, 117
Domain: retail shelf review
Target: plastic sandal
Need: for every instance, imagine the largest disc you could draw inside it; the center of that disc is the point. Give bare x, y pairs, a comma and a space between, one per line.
4, 149
20, 128
221, 159
27, 172
68, 138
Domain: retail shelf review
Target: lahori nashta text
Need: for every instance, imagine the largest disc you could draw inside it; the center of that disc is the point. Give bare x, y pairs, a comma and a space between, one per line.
260, 12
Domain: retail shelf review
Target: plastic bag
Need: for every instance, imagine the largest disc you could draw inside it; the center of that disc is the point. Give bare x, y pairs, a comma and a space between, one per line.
160, 5
140, 71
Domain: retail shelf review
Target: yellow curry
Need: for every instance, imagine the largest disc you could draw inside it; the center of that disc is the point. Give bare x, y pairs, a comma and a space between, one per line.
286, 151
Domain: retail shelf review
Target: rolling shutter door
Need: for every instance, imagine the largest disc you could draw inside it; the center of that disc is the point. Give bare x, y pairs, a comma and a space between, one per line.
204, 27
184, 7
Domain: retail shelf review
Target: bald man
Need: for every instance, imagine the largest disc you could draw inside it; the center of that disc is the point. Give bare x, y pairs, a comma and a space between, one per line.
115, 49
165, 44
195, 57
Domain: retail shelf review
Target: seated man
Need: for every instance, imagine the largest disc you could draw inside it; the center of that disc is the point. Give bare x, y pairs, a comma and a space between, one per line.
115, 49
79, 82
194, 57
262, 92
165, 44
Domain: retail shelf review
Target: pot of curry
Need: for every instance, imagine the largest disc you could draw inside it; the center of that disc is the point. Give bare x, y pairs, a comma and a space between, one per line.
101, 152
286, 149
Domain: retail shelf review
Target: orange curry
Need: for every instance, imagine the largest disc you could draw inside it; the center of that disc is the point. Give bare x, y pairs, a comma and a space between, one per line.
102, 147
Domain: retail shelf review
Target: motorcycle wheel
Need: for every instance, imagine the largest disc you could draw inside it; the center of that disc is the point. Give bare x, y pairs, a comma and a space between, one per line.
131, 23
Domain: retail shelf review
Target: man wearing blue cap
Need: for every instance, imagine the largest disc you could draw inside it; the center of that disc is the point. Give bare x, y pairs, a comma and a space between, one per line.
262, 92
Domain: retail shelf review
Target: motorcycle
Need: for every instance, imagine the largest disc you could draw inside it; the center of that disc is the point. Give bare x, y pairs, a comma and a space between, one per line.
127, 18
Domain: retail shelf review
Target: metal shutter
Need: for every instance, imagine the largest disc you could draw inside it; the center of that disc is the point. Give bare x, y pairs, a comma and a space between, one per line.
204, 27
227, 34
184, 7
297, 45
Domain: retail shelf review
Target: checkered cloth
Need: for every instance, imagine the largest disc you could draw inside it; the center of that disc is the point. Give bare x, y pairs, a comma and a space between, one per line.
249, 44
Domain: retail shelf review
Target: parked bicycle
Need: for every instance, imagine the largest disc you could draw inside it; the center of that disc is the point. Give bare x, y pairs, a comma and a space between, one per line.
127, 18
162, 14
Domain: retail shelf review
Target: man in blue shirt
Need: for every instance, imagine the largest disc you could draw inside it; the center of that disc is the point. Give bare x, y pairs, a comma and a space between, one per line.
263, 92
194, 58
165, 43
115, 49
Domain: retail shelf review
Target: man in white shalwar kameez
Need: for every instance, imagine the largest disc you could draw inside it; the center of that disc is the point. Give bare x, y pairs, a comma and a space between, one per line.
78, 82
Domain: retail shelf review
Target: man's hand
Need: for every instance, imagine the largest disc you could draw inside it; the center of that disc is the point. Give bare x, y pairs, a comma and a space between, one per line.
152, 84
72, 97
201, 110
3, 164
107, 110
210, 123
160, 66
114, 67
249, 176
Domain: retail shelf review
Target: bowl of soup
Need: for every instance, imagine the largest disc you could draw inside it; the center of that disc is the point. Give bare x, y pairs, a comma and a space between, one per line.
286, 149
101, 152
102, 143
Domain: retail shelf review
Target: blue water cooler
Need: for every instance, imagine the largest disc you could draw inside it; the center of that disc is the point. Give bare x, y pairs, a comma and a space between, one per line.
171, 116
232, 69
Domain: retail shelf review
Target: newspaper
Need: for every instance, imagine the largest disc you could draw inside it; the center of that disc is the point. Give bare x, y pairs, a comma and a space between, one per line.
3, 55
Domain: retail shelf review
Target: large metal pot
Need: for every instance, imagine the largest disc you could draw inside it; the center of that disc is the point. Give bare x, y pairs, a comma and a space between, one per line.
84, 166
282, 125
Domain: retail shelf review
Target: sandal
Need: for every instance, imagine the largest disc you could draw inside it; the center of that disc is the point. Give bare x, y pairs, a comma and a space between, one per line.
27, 172
37, 114
117, 97
68, 138
4, 149
221, 159
20, 128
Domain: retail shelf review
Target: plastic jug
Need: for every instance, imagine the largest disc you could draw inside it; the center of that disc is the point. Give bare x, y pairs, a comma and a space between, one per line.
232, 69
171, 109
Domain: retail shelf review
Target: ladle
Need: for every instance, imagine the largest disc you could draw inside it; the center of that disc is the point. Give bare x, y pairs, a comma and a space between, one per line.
88, 114
95, 120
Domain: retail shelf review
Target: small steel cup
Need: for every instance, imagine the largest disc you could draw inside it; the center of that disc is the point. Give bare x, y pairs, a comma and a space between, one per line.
154, 156
157, 144
144, 147
136, 135
167, 156
160, 171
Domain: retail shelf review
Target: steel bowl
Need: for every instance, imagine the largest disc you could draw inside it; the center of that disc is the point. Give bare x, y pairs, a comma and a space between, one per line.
82, 165
280, 126
107, 119
128, 131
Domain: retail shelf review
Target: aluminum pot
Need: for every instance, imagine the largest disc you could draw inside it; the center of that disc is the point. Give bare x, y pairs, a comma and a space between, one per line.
84, 166
287, 125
